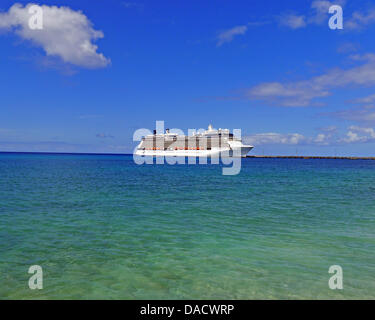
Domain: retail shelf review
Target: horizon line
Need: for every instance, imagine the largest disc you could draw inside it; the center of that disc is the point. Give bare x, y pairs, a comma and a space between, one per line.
248, 156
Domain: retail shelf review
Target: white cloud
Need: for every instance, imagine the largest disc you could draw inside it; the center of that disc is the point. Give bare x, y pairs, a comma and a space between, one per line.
359, 20
348, 47
289, 139
320, 8
104, 135
318, 14
66, 34
298, 94
368, 99
292, 21
228, 35
274, 138
362, 115
359, 134
302, 93
329, 129
328, 136
321, 138
132, 5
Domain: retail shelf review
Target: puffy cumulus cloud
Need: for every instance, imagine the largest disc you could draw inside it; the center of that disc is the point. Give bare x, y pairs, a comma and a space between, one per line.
228, 35
66, 34
326, 137
320, 137
302, 93
359, 134
323, 139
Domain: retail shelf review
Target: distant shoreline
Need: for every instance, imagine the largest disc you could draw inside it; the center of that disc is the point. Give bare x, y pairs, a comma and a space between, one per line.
312, 157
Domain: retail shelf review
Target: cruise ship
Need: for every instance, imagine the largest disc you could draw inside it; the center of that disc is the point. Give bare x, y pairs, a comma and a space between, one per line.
212, 142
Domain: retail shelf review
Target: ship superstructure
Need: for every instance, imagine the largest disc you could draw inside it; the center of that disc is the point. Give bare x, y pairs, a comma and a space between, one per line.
211, 142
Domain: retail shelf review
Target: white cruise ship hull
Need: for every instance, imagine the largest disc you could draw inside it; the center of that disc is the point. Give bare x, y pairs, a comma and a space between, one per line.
240, 151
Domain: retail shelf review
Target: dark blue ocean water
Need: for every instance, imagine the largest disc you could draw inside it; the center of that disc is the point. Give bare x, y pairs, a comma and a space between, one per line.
103, 227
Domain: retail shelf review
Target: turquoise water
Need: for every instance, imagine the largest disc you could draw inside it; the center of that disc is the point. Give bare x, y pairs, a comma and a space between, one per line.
102, 227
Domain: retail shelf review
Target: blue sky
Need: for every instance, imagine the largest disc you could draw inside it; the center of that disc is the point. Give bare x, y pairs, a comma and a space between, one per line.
271, 68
